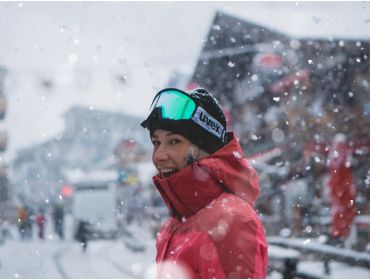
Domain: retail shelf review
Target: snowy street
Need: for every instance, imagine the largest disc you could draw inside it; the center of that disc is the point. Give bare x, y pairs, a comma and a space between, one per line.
53, 258
110, 259
238, 120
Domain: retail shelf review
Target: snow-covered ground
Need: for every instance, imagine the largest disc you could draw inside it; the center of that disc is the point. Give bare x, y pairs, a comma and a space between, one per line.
54, 258
338, 270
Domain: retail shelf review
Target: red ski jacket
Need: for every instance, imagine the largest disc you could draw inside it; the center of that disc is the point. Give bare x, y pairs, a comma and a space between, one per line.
213, 230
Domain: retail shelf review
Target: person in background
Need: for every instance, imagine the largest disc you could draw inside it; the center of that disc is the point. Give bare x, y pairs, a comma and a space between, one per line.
58, 216
83, 234
40, 222
209, 188
28, 223
22, 217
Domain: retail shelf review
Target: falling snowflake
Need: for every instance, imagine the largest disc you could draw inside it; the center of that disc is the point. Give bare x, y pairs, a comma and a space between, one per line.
254, 77
237, 155
216, 27
307, 241
231, 64
367, 180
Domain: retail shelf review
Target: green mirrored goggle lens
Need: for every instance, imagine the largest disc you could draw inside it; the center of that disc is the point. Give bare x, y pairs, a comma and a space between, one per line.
175, 105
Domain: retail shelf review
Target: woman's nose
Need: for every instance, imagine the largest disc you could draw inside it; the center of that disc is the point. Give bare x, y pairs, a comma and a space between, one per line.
160, 153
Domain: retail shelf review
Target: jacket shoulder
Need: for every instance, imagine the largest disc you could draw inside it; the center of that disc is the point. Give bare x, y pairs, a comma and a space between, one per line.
226, 209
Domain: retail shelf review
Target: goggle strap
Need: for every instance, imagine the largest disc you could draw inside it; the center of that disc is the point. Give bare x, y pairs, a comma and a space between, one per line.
209, 123
155, 100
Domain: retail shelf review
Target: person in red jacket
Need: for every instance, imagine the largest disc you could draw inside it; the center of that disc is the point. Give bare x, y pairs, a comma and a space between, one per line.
209, 188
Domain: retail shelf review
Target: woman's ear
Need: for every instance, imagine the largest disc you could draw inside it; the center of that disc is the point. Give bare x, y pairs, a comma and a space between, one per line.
189, 159
195, 153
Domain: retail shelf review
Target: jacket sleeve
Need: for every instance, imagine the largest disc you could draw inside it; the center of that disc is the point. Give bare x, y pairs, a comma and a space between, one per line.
241, 247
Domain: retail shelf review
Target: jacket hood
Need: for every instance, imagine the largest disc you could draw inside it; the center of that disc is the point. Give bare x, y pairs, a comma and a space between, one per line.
196, 185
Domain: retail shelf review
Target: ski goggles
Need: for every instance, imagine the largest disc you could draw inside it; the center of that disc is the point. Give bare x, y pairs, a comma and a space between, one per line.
174, 104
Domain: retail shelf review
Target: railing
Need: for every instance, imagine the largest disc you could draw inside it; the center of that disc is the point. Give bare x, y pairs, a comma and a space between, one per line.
283, 260
330, 252
284, 255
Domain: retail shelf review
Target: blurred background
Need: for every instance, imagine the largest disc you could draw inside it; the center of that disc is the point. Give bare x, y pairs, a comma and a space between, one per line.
77, 78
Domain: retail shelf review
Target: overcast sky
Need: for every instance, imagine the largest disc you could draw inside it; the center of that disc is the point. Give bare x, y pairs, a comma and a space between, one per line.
144, 41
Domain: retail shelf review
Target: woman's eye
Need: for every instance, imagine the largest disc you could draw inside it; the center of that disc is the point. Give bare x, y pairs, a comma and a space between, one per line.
155, 142
174, 141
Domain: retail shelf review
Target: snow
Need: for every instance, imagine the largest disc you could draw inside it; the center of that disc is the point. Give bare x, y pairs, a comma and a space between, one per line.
310, 266
56, 259
78, 50
237, 155
33, 259
282, 253
104, 56
338, 270
53, 258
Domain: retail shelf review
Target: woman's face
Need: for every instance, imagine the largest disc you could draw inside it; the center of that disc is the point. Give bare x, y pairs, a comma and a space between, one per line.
169, 151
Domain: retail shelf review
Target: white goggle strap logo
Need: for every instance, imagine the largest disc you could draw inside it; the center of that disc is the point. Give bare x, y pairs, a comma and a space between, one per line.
209, 123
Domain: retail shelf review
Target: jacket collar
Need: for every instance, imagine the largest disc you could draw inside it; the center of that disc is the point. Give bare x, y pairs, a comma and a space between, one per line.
196, 185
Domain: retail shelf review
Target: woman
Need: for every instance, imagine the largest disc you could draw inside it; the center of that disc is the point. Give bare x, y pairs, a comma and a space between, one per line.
209, 189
